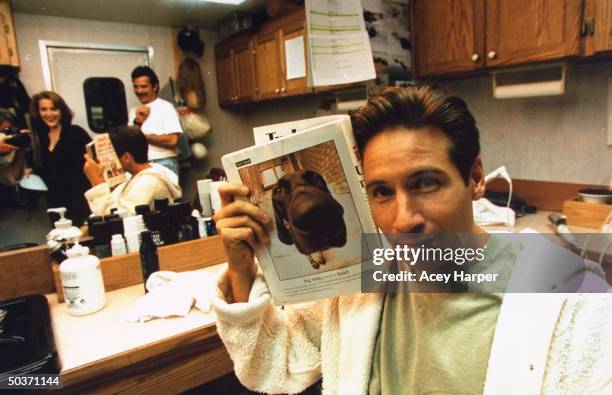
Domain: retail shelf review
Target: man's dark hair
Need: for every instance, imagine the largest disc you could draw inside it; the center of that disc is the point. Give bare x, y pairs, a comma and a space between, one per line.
132, 140
416, 107
142, 71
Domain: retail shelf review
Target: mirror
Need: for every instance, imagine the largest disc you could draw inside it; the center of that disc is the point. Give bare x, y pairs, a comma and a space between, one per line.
105, 103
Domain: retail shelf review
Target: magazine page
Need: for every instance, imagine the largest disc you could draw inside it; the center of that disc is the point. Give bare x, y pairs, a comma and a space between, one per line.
307, 182
265, 134
107, 157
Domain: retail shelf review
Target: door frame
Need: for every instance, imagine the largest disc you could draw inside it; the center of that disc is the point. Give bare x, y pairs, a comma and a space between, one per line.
44, 45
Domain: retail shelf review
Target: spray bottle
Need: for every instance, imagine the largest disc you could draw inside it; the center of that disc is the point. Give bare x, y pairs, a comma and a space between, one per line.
82, 281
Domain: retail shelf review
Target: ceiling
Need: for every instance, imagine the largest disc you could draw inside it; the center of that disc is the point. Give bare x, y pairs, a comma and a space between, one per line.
147, 12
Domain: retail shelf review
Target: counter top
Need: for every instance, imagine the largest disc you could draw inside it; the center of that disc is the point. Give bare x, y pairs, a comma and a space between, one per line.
105, 344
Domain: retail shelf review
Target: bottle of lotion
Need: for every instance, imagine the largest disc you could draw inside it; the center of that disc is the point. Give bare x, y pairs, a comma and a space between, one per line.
82, 282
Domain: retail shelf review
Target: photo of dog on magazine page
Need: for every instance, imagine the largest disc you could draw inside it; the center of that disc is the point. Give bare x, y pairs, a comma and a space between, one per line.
309, 183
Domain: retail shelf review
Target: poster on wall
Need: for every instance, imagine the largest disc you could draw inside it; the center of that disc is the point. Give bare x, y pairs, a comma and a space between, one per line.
388, 25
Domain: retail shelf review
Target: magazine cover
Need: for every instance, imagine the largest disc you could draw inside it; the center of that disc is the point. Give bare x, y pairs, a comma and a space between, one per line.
310, 183
107, 157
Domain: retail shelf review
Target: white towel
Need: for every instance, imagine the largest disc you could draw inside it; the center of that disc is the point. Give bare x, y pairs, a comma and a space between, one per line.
173, 294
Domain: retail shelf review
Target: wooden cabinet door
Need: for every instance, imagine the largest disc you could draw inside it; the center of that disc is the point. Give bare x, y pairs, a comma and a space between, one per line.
267, 64
598, 12
224, 62
244, 69
522, 31
448, 36
292, 31
8, 41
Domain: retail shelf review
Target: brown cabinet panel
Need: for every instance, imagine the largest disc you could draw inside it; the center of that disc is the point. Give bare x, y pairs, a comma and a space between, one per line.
225, 76
244, 68
601, 13
8, 41
449, 36
267, 65
521, 31
294, 86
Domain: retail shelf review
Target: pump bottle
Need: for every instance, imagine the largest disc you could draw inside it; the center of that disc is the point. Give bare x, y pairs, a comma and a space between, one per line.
82, 281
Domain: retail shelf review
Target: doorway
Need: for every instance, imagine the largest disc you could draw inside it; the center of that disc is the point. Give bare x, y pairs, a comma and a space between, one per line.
66, 66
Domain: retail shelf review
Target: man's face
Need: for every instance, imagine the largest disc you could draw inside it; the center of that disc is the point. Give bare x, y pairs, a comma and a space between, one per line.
414, 187
144, 89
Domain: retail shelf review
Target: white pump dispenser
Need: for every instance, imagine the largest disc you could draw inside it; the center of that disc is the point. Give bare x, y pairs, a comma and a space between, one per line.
82, 281
63, 227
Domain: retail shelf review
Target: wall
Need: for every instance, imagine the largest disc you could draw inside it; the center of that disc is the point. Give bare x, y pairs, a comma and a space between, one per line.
32, 28
556, 138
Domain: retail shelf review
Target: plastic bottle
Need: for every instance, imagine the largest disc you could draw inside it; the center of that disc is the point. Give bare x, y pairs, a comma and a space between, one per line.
63, 227
82, 281
118, 245
148, 256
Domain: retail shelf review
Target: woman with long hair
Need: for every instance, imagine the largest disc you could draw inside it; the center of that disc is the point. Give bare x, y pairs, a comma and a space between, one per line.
62, 149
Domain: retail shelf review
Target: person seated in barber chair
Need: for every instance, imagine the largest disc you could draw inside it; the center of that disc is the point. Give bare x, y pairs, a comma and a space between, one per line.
148, 181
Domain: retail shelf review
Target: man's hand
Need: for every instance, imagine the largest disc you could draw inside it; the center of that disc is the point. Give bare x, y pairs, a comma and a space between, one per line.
242, 226
142, 113
93, 171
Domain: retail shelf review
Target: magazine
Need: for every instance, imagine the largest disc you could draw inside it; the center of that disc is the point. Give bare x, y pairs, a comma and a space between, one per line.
311, 184
105, 155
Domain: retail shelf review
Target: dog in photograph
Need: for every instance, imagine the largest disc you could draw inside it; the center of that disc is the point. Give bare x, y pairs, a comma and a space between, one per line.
307, 215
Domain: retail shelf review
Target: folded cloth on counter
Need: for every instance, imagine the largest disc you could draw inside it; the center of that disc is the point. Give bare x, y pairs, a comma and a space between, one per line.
487, 213
173, 294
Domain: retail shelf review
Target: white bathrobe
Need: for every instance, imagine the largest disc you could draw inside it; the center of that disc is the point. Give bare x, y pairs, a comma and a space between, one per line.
156, 182
543, 343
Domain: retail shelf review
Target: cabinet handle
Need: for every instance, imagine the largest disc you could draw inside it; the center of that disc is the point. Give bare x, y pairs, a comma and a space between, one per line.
475, 58
277, 90
283, 89
492, 54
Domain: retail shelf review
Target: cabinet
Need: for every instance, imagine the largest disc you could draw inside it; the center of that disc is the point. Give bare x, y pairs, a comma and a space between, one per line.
448, 36
253, 67
235, 65
267, 64
524, 31
8, 41
293, 27
270, 57
597, 26
466, 35
244, 69
226, 85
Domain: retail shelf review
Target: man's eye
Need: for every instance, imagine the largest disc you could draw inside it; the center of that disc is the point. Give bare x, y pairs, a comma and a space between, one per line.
426, 184
382, 192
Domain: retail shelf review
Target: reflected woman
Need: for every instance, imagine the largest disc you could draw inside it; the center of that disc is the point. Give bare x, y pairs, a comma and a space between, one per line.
62, 147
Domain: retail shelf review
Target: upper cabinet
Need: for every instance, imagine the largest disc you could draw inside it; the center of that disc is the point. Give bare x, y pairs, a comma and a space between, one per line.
597, 26
8, 42
461, 36
268, 64
448, 36
523, 31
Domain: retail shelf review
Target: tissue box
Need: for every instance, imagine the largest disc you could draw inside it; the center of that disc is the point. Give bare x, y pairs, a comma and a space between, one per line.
587, 215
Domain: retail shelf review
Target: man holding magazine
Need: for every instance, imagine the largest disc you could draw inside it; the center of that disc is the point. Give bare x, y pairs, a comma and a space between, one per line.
422, 170
148, 181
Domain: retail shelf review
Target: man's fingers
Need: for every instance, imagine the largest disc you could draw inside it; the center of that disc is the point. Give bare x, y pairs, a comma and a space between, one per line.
232, 235
241, 221
228, 191
240, 207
